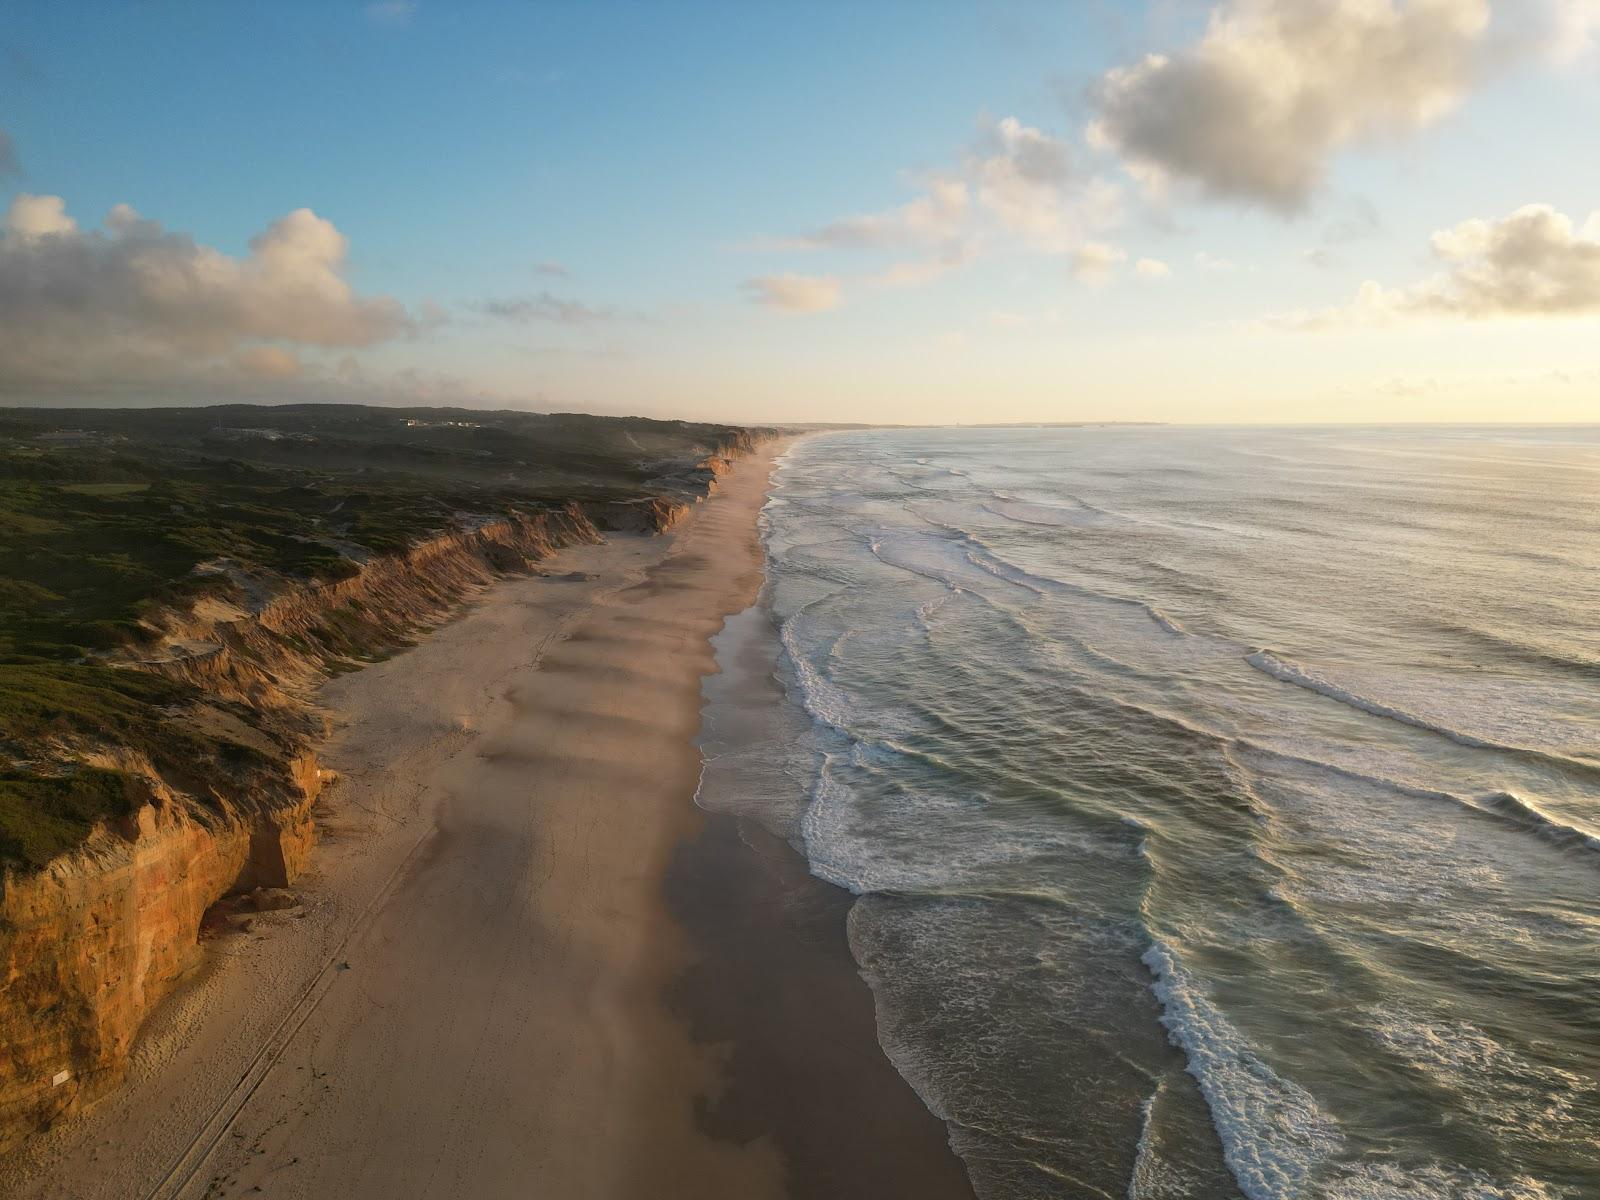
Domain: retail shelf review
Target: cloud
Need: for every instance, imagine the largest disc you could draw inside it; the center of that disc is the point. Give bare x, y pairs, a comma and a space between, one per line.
1533, 263
1254, 110
551, 268
38, 216
1574, 29
392, 13
10, 164
1013, 185
1558, 31
135, 302
938, 214
795, 293
1152, 268
1093, 262
546, 307
1027, 189
267, 362
916, 272
1022, 177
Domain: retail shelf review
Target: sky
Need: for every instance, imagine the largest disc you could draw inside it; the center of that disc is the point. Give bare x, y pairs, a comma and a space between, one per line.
928, 212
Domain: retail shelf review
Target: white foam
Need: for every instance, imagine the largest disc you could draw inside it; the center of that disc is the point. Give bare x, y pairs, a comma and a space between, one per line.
1290, 672
1528, 815
819, 696
1431, 1181
1153, 1178
1506, 806
991, 562
868, 829
1502, 1087
1274, 1135
917, 841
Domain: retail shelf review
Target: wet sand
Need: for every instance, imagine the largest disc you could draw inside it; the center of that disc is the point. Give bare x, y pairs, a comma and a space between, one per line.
526, 964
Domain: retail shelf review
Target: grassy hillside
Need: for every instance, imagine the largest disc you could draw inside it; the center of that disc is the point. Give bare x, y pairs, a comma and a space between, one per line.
106, 513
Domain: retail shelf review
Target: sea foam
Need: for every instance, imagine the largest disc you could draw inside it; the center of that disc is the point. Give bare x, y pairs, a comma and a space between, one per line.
1274, 1134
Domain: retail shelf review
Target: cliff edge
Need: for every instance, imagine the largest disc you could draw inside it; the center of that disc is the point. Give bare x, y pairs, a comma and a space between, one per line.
145, 780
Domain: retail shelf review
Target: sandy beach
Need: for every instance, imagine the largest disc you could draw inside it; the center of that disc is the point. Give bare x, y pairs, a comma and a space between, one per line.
524, 964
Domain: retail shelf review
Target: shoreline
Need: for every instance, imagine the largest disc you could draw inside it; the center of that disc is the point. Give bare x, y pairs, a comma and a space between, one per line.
513, 880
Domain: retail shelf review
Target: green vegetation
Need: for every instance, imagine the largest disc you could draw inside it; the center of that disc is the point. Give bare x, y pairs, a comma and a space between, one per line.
106, 514
43, 816
47, 809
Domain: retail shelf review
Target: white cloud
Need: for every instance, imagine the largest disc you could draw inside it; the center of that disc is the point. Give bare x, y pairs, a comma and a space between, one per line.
1093, 262
1255, 109
1152, 268
558, 270
1016, 174
38, 216
1014, 186
1577, 26
1560, 31
1207, 261
133, 301
937, 215
1022, 177
1533, 263
916, 272
1026, 186
795, 293
1028, 153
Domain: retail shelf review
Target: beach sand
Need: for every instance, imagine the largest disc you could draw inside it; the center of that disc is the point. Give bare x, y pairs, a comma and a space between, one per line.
526, 965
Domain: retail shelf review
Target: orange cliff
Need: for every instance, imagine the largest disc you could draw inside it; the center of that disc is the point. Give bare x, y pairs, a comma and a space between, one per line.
90, 943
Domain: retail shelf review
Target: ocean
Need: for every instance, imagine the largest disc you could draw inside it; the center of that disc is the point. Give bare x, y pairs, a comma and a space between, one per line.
1220, 804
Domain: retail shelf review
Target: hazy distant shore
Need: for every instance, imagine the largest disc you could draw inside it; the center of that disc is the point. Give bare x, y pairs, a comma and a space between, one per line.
486, 987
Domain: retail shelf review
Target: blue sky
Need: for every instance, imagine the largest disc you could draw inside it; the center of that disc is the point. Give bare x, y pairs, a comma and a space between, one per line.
658, 208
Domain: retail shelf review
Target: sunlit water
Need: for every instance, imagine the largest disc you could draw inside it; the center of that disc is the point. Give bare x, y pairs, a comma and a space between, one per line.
1221, 804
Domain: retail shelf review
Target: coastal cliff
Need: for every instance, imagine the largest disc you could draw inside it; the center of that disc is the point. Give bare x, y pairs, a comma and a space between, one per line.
90, 943
215, 797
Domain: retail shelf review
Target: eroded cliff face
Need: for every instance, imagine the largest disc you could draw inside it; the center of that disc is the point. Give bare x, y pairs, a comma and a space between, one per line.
94, 941
89, 944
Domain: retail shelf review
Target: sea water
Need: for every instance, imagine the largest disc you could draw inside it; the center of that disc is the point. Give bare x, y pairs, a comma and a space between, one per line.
1223, 806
